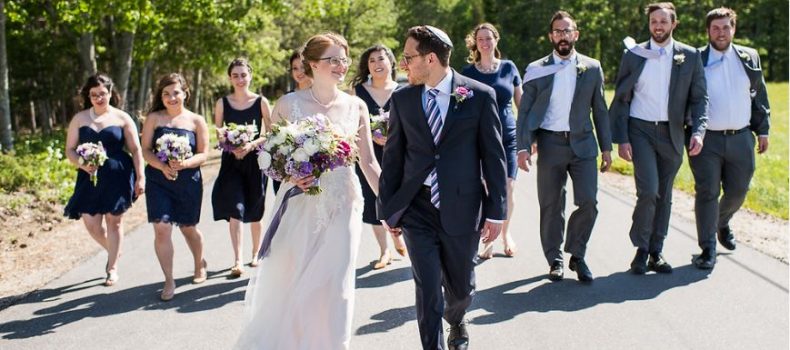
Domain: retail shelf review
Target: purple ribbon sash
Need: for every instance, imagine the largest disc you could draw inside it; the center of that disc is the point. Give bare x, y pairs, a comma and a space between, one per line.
267, 238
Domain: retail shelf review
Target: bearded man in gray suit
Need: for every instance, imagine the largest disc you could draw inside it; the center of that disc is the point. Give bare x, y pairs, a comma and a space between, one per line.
559, 92
659, 94
738, 108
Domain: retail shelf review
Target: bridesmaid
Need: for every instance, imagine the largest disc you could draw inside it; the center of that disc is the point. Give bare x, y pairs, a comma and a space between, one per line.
238, 195
175, 188
487, 67
374, 84
302, 80
120, 178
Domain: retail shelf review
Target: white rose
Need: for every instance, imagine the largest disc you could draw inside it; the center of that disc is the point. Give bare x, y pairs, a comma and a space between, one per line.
264, 160
300, 155
285, 150
279, 138
268, 145
311, 146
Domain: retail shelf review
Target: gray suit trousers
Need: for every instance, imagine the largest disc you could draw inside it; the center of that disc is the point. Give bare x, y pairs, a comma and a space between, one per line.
726, 162
555, 161
655, 165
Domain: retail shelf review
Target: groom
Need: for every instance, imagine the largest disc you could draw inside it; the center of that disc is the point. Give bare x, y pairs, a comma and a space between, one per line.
444, 140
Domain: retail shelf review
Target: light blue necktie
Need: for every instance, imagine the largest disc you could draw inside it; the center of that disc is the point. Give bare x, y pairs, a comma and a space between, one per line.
662, 51
435, 124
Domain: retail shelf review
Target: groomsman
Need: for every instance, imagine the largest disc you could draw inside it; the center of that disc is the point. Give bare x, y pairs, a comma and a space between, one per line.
738, 105
445, 139
659, 92
560, 90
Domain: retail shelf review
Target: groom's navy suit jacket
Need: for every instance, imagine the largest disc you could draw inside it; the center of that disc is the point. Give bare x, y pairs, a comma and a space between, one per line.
469, 151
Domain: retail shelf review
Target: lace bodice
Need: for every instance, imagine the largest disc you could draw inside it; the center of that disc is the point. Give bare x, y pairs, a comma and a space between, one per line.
340, 187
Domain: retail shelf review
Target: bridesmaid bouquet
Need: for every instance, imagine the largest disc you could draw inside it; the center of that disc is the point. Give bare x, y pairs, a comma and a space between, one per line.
233, 136
92, 154
173, 147
379, 123
308, 147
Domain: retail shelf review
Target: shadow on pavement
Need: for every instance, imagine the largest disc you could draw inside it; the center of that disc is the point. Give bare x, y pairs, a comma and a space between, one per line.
113, 301
383, 278
568, 295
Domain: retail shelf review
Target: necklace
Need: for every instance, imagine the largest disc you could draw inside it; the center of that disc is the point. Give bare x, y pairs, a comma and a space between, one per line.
494, 67
93, 114
328, 104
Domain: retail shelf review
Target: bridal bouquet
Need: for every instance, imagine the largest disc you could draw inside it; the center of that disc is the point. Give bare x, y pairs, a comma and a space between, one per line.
233, 136
92, 154
308, 147
379, 123
173, 147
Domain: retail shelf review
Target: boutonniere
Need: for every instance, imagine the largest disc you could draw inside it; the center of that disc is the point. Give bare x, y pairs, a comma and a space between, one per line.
679, 59
580, 69
461, 93
744, 56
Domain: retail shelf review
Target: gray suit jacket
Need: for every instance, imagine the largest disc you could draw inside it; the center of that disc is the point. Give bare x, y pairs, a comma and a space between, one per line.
588, 95
761, 110
688, 97
469, 151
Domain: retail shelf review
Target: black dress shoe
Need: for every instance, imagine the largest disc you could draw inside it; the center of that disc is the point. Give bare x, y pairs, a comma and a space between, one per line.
706, 260
726, 238
556, 271
583, 272
458, 338
639, 264
658, 264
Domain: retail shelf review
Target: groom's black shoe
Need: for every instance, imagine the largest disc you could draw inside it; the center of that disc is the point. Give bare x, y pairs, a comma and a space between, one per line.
639, 264
706, 260
726, 238
658, 264
583, 272
458, 338
556, 272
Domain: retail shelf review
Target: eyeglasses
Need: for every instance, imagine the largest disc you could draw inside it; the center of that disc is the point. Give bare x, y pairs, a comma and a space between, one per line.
337, 60
563, 32
408, 58
99, 95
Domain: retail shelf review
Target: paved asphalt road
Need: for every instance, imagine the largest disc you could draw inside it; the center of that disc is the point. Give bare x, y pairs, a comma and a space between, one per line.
742, 304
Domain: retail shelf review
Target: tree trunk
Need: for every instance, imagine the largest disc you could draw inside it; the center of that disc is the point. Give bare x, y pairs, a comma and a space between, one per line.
122, 65
144, 88
196, 82
6, 134
43, 117
87, 51
33, 125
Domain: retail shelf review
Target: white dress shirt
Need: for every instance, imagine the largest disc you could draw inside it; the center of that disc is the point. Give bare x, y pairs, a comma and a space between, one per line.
728, 91
445, 88
558, 112
651, 92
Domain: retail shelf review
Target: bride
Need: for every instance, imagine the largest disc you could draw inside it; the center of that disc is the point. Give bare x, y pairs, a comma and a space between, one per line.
302, 295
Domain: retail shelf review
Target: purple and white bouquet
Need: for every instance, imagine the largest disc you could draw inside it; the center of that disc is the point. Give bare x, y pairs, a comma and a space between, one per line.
310, 146
92, 154
379, 123
173, 147
233, 136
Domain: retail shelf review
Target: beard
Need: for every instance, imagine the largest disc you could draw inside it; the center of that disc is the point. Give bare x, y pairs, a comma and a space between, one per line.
661, 38
722, 47
563, 50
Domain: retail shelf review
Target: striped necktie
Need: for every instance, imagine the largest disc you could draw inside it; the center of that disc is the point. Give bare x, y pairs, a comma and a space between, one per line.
435, 124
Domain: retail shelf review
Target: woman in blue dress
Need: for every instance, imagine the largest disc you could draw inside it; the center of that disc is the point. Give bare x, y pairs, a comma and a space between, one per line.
174, 189
119, 180
239, 191
374, 84
487, 67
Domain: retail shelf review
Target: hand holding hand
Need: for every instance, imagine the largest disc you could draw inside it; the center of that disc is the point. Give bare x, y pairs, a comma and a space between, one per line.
395, 231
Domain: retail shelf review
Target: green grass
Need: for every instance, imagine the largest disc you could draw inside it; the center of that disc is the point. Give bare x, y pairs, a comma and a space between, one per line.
38, 167
768, 193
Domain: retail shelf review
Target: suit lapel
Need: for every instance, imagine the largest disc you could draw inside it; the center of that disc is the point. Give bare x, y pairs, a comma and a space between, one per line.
704, 55
640, 66
449, 119
673, 78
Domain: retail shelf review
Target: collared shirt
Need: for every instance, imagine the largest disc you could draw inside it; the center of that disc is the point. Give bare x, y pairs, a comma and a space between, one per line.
728, 91
558, 112
445, 87
651, 92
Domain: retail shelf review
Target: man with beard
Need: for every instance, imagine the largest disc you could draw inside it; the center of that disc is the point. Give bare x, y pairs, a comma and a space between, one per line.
738, 104
659, 92
559, 92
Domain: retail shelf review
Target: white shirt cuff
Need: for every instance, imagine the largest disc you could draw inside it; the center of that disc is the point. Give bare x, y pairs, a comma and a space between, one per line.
495, 221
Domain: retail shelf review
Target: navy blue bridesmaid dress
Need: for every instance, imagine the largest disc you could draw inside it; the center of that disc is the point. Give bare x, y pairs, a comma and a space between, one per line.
176, 201
114, 190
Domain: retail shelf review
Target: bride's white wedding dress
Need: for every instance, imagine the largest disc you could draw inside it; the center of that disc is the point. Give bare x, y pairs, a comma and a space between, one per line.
302, 294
